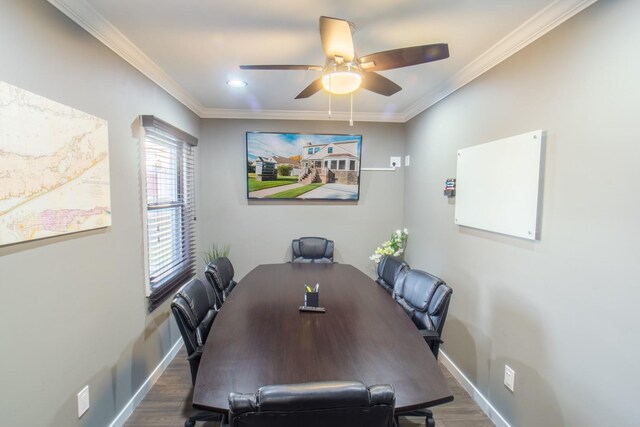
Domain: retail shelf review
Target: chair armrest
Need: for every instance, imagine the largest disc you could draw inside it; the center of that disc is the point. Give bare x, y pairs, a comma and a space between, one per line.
429, 335
232, 285
196, 354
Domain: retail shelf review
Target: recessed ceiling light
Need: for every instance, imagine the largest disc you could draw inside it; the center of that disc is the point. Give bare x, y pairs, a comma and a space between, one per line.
236, 83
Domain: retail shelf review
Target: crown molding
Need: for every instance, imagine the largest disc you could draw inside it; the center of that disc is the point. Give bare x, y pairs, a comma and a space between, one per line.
537, 26
540, 24
93, 22
221, 113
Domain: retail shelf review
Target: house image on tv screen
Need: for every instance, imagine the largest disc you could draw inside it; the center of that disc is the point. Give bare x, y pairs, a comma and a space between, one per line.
333, 162
303, 166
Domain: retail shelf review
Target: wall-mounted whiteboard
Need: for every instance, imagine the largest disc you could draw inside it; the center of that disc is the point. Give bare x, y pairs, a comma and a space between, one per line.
498, 186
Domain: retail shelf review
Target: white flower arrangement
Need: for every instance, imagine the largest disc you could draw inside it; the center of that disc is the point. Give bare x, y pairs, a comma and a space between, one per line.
394, 246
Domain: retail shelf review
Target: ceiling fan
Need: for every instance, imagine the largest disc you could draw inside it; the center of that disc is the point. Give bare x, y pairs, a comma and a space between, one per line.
344, 71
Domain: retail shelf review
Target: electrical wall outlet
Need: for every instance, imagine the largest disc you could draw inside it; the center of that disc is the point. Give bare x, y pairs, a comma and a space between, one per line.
395, 162
83, 401
509, 378
407, 160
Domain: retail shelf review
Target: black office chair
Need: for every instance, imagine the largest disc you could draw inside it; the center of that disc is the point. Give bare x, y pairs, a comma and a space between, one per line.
389, 269
425, 298
219, 274
319, 404
315, 250
194, 310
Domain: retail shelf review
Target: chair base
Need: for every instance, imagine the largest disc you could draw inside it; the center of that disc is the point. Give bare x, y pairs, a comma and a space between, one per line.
204, 416
429, 421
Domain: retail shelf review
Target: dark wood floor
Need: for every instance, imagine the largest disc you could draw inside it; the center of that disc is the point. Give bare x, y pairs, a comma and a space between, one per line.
168, 403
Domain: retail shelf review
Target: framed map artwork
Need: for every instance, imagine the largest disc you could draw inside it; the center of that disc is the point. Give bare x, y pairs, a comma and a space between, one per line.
54, 168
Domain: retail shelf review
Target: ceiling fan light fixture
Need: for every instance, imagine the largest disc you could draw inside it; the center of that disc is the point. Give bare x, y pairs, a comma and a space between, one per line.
341, 82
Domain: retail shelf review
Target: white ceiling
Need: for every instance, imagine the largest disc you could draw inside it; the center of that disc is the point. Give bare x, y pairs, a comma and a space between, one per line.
191, 48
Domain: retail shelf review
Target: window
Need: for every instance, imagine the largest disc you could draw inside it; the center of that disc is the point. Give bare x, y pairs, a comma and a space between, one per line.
315, 150
170, 208
333, 164
310, 151
330, 150
352, 165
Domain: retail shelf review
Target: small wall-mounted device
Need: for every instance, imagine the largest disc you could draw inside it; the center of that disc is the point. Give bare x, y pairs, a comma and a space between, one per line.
509, 378
394, 162
450, 187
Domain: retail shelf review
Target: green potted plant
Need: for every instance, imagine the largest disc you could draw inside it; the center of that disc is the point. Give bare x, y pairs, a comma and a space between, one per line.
215, 252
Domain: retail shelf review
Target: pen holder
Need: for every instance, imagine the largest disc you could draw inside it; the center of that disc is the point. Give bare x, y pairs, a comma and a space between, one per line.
311, 299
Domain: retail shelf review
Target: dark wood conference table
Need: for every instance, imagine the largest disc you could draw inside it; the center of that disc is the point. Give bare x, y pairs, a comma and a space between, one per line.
260, 338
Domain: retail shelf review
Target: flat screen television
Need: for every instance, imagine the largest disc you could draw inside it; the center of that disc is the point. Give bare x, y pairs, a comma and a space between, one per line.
303, 166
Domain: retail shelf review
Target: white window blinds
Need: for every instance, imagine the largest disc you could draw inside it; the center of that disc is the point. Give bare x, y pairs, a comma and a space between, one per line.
170, 207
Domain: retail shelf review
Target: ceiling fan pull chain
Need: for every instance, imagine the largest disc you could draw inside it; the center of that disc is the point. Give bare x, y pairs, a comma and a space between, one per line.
351, 111
329, 104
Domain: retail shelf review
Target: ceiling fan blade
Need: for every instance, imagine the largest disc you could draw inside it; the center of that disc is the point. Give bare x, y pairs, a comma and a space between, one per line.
379, 84
398, 58
314, 87
335, 35
281, 67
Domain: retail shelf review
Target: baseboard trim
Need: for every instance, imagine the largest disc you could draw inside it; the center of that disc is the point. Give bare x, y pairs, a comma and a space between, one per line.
131, 405
475, 394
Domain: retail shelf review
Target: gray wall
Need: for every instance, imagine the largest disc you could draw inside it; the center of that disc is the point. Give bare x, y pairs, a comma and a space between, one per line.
563, 312
260, 232
74, 310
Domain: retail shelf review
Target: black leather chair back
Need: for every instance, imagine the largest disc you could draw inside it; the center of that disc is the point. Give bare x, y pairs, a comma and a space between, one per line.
194, 309
425, 298
219, 274
312, 250
389, 269
321, 404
